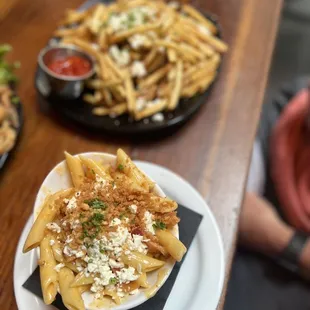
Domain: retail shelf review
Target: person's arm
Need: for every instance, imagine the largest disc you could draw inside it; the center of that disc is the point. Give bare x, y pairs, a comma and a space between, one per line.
262, 230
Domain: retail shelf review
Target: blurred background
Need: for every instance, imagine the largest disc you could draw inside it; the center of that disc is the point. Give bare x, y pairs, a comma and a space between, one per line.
291, 55
256, 282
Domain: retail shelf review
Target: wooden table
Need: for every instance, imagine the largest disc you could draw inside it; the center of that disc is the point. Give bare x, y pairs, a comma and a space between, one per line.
212, 151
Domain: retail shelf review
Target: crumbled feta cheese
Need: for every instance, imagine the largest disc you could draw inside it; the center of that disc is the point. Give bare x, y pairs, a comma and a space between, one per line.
140, 104
64, 223
135, 244
68, 251
174, 4
71, 204
118, 21
204, 30
120, 294
158, 117
138, 69
75, 224
69, 239
59, 266
126, 275
100, 182
138, 40
126, 220
52, 242
115, 222
115, 264
53, 227
79, 268
134, 292
148, 220
79, 254
121, 56
133, 209
119, 237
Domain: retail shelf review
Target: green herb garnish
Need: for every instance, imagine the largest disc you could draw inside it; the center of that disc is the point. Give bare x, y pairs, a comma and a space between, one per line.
120, 167
159, 225
7, 74
92, 224
90, 261
96, 203
113, 281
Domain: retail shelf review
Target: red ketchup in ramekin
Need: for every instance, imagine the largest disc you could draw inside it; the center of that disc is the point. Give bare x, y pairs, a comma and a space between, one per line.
70, 66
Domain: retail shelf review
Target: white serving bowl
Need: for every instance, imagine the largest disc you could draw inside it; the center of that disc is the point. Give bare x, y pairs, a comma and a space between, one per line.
59, 178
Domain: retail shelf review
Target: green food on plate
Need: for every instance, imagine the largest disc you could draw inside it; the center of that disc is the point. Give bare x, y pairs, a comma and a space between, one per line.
7, 70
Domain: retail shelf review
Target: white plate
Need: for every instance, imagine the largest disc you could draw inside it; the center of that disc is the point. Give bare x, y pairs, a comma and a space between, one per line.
59, 179
202, 272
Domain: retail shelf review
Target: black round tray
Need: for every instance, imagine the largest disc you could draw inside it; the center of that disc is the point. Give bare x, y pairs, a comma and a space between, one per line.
80, 112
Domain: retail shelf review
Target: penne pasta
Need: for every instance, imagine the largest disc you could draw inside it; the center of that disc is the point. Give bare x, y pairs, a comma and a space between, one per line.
71, 296
48, 274
114, 296
142, 262
46, 216
173, 245
57, 252
125, 164
142, 280
71, 266
76, 169
95, 168
80, 280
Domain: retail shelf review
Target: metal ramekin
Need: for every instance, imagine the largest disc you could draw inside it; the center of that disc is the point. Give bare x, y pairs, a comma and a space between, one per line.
51, 83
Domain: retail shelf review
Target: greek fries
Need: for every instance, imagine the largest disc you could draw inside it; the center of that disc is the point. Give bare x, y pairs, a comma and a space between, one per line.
107, 234
144, 44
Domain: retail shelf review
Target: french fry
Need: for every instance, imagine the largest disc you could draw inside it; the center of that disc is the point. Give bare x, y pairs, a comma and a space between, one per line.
73, 16
172, 55
150, 58
128, 33
93, 98
155, 76
150, 110
116, 110
192, 12
130, 94
84, 45
99, 84
176, 92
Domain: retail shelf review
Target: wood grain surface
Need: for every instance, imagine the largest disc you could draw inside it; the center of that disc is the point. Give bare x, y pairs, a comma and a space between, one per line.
212, 151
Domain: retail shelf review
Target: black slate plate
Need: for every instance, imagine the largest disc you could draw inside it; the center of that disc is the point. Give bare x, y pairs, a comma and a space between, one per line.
5, 157
80, 112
